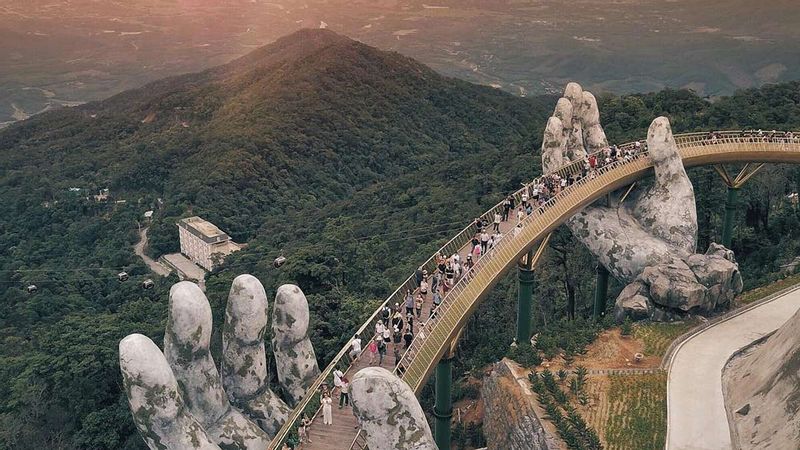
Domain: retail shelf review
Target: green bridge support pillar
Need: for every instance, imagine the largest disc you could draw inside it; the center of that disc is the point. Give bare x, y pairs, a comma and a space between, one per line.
600, 292
524, 304
730, 214
443, 408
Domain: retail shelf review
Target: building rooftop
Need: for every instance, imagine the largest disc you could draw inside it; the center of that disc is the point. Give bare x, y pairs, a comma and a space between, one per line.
203, 229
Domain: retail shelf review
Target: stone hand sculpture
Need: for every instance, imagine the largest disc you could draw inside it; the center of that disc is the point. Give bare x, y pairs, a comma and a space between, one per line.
648, 240
180, 401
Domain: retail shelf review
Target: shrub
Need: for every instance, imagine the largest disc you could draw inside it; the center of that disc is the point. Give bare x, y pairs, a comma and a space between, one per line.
627, 327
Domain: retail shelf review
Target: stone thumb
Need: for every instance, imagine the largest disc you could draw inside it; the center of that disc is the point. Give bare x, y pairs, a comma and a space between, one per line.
668, 209
388, 412
157, 405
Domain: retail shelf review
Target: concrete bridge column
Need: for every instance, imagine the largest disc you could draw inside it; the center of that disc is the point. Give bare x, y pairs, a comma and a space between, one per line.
524, 304
443, 408
731, 201
600, 292
730, 214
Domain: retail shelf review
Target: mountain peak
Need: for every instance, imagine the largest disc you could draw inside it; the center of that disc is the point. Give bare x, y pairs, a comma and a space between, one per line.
293, 47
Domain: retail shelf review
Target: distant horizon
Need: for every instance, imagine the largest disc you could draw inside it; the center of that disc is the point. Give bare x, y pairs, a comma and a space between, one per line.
60, 54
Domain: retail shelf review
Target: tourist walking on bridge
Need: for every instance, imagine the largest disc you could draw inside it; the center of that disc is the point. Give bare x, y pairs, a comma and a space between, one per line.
302, 430
381, 350
337, 378
355, 348
327, 412
409, 302
497, 219
373, 351
507, 207
344, 398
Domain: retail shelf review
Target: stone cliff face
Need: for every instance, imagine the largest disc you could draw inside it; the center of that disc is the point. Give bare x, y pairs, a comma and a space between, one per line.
510, 421
762, 391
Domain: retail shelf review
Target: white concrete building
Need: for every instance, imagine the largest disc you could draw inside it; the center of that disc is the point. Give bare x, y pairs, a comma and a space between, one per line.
204, 243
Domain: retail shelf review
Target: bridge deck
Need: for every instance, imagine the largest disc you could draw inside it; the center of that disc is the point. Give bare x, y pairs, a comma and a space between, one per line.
341, 434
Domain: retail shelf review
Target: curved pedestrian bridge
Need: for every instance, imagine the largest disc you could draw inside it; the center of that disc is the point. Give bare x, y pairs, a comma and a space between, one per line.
437, 335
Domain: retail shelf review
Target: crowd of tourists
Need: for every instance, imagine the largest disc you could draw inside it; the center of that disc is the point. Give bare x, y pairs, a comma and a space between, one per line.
754, 136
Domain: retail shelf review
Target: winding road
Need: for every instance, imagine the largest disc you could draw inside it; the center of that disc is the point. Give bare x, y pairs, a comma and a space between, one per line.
138, 248
696, 418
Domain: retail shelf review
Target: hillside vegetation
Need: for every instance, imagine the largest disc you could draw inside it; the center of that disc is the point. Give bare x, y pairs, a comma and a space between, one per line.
354, 163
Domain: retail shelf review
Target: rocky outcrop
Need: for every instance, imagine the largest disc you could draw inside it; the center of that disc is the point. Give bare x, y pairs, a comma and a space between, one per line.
698, 283
634, 302
510, 421
762, 391
649, 239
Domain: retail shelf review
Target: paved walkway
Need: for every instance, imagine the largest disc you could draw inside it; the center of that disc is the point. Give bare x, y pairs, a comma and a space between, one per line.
696, 418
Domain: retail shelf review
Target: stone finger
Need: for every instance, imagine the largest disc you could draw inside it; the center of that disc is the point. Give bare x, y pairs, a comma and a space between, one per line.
244, 361
388, 412
156, 403
667, 209
553, 145
186, 347
575, 148
294, 354
594, 138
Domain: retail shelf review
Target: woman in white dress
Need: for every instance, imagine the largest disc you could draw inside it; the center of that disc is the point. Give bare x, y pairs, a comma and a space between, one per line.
327, 412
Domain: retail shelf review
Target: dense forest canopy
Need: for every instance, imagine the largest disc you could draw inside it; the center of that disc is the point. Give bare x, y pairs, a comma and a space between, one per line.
354, 163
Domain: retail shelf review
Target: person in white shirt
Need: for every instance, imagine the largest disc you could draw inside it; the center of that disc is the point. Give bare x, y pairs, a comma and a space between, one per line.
497, 219
484, 242
337, 378
355, 348
520, 214
379, 327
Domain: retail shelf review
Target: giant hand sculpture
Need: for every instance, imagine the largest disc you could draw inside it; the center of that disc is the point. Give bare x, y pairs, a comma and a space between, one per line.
180, 401
649, 239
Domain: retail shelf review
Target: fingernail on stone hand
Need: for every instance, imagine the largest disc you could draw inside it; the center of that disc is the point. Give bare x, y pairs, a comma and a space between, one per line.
186, 347
156, 404
244, 368
294, 354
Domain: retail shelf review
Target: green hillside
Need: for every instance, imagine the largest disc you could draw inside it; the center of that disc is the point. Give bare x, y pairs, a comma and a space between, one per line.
355, 163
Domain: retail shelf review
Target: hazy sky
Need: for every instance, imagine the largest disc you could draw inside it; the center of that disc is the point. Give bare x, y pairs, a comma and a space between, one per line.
60, 52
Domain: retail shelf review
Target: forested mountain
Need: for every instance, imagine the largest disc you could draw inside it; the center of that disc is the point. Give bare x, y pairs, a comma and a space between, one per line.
355, 163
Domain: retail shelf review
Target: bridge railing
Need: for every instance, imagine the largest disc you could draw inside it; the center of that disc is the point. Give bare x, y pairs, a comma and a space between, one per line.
438, 329
310, 403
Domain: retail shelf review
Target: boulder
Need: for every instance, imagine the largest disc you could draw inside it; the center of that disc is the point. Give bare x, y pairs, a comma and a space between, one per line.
633, 302
721, 251
675, 286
